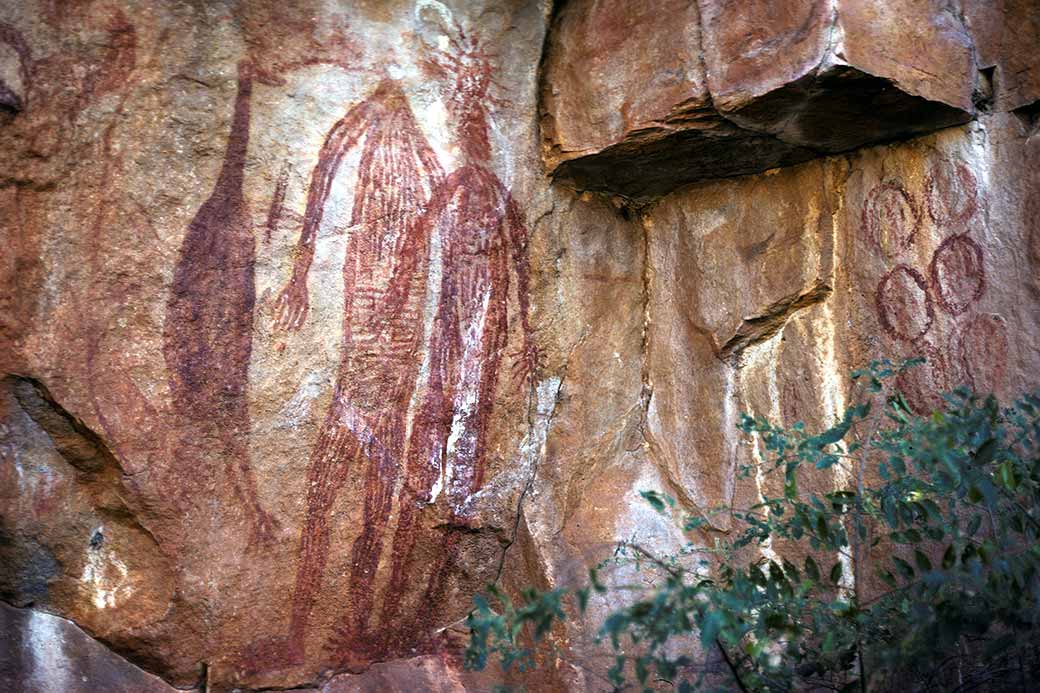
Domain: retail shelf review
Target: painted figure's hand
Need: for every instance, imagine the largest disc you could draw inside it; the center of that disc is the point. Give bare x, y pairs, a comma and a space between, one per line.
528, 359
290, 309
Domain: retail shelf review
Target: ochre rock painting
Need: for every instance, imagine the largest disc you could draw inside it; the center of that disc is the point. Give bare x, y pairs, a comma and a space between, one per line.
904, 304
402, 200
208, 333
303, 344
891, 219
483, 239
384, 298
957, 274
908, 299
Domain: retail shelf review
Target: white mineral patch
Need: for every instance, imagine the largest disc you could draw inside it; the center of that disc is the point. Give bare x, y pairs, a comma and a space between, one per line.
466, 403
765, 360
105, 576
532, 447
297, 409
640, 524
834, 404
51, 670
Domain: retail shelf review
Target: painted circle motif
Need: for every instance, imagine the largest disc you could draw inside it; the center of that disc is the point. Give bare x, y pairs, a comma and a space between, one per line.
890, 219
951, 193
923, 385
904, 305
957, 274
981, 350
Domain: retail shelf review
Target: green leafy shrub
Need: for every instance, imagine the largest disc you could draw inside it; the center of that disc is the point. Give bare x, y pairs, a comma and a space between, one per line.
920, 570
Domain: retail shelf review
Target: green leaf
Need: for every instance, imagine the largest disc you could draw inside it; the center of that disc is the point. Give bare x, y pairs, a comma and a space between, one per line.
583, 598
922, 561
836, 572
949, 557
903, 567
812, 570
710, 628
831, 435
791, 570
985, 453
594, 581
827, 461
887, 577
654, 499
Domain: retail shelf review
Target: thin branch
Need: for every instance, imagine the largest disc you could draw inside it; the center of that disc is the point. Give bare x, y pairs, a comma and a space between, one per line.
732, 666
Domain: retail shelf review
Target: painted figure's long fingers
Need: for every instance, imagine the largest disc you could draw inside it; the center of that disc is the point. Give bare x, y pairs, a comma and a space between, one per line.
520, 371
281, 310
298, 317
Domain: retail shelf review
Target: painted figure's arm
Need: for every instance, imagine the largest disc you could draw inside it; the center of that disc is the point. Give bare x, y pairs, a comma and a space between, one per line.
292, 303
528, 356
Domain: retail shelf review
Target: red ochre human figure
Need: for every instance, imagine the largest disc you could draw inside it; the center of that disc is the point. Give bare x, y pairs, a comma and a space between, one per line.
483, 240
387, 252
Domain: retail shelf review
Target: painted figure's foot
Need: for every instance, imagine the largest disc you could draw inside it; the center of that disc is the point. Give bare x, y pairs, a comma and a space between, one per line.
351, 650
270, 654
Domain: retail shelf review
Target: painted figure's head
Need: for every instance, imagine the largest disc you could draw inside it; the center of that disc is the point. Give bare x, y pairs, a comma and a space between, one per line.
458, 59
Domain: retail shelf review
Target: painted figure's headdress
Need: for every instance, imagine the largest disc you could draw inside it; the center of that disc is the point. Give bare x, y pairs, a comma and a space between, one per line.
459, 56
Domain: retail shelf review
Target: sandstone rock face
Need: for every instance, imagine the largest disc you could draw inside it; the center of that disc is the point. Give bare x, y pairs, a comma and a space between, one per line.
301, 345
715, 88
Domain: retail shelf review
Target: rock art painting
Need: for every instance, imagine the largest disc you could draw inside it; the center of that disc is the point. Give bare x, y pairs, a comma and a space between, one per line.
923, 385
483, 242
387, 251
208, 333
980, 351
957, 275
114, 75
956, 281
402, 201
890, 219
904, 304
277, 206
951, 193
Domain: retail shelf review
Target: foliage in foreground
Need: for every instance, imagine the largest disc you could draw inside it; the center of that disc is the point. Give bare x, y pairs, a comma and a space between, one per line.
920, 570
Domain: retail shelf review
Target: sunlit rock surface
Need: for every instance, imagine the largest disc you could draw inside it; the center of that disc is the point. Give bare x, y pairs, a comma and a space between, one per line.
301, 345
639, 101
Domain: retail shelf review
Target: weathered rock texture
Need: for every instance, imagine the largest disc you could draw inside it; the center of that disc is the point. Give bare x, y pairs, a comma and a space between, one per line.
638, 102
301, 345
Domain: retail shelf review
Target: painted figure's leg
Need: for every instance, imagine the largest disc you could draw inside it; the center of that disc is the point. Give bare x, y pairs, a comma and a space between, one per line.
335, 454
470, 453
423, 467
243, 481
380, 481
424, 463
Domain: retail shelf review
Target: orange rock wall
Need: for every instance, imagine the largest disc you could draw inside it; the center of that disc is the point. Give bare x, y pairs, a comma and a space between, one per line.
317, 317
